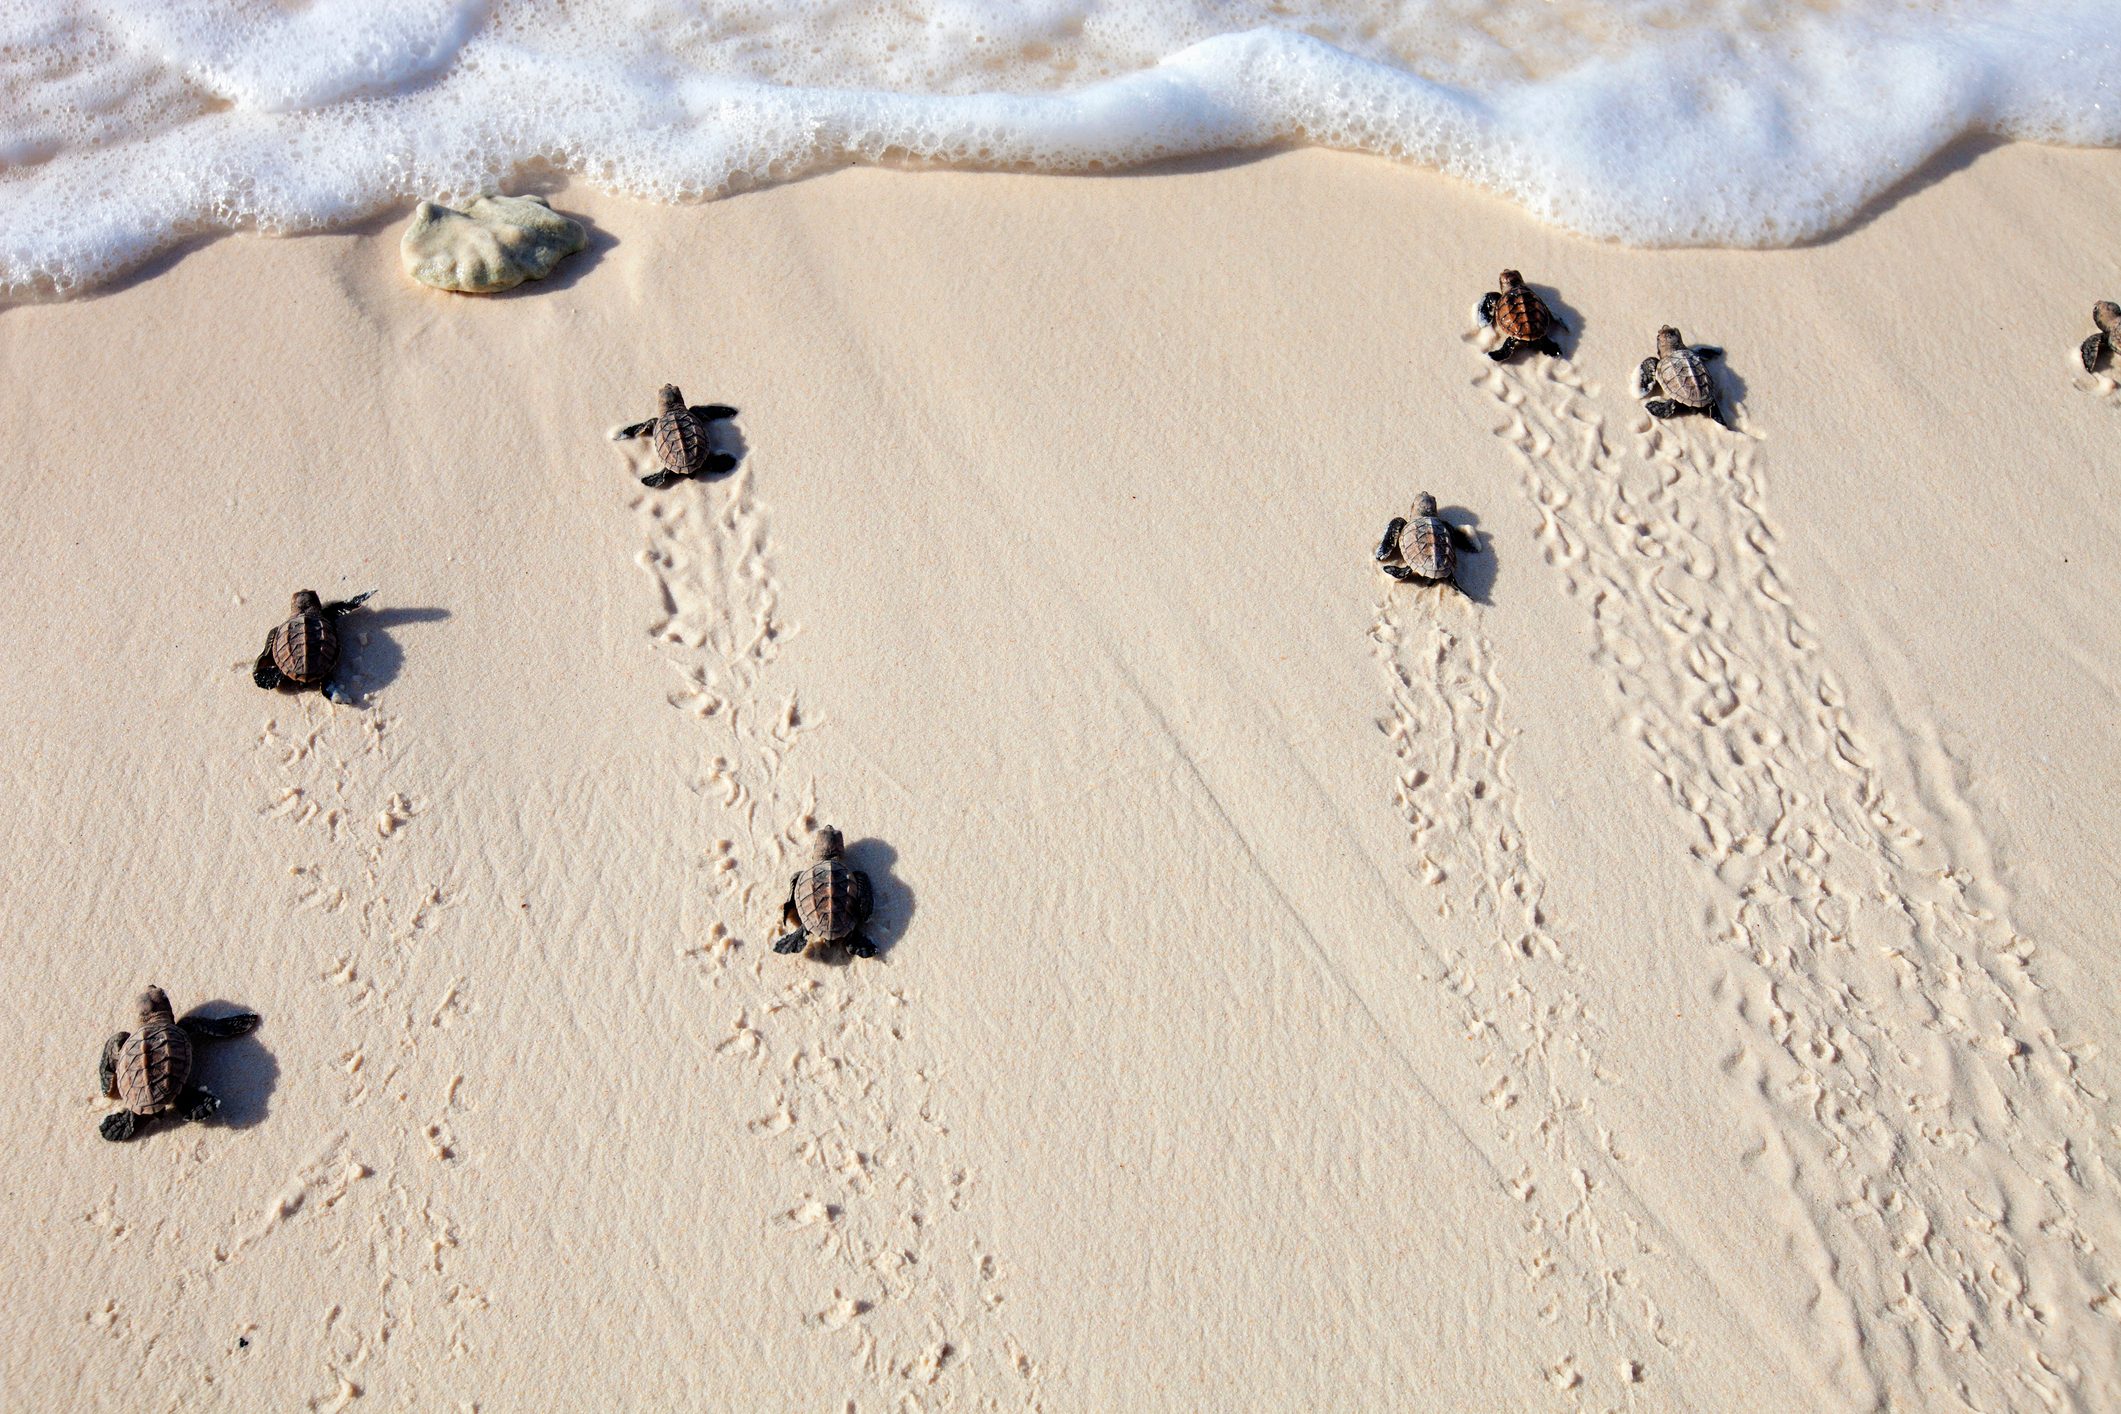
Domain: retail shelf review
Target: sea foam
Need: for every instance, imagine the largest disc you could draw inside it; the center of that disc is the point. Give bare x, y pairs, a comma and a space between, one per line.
125, 127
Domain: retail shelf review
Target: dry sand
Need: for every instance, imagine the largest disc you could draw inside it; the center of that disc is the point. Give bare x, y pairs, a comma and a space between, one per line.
1679, 978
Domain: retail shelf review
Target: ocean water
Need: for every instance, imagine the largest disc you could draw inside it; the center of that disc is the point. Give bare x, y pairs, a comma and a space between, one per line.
127, 126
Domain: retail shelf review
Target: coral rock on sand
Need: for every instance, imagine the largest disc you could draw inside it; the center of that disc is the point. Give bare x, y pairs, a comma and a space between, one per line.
496, 243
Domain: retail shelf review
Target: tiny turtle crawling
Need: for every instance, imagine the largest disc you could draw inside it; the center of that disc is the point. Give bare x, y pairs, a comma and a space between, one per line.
681, 441
2102, 345
147, 1070
1423, 548
1682, 375
304, 651
830, 901
1521, 317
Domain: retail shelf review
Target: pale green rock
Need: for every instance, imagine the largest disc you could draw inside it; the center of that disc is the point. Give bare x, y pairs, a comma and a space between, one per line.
495, 243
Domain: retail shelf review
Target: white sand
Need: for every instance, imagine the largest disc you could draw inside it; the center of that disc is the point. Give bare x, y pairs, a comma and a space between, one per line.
1679, 980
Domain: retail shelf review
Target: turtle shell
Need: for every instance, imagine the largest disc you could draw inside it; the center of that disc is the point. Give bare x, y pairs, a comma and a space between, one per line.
1425, 545
306, 647
1685, 378
681, 442
153, 1066
1520, 314
831, 899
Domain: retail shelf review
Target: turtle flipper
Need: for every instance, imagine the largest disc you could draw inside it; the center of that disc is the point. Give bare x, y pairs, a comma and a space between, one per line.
792, 943
265, 672
1707, 351
347, 606
219, 1028
1549, 347
1389, 546
107, 1067
656, 481
198, 1103
2092, 351
1662, 407
860, 945
713, 412
1715, 410
1488, 302
628, 433
1464, 539
717, 464
1509, 346
120, 1127
1646, 378
1400, 573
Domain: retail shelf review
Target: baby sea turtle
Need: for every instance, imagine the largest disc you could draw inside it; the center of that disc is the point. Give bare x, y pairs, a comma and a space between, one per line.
681, 441
1423, 548
2104, 344
304, 651
1682, 375
830, 901
147, 1069
1521, 316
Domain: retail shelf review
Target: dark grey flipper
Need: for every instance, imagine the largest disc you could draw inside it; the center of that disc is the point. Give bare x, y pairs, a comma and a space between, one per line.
197, 1103
717, 464
107, 1068
265, 672
2093, 350
1509, 346
1646, 378
864, 896
347, 606
792, 943
219, 1028
713, 412
1389, 546
1549, 347
1400, 573
628, 433
656, 481
1488, 302
1465, 539
860, 946
1553, 323
1707, 351
1664, 407
120, 1127
1715, 410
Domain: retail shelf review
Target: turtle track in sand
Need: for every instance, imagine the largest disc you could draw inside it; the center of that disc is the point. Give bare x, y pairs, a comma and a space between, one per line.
1593, 1256
338, 781
1947, 1165
911, 1299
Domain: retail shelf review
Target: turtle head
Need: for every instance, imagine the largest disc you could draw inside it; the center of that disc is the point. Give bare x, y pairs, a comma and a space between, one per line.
1668, 341
306, 601
2107, 315
1425, 506
825, 843
154, 1005
670, 399
1510, 280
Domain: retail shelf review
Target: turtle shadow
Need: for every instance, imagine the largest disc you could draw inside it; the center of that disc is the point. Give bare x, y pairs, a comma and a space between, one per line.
1570, 334
891, 899
240, 1072
373, 656
1476, 567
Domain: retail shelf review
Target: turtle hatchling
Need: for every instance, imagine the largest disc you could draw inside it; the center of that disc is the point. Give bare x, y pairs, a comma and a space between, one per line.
149, 1070
1423, 548
681, 440
830, 901
1681, 374
304, 651
2104, 344
1521, 317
